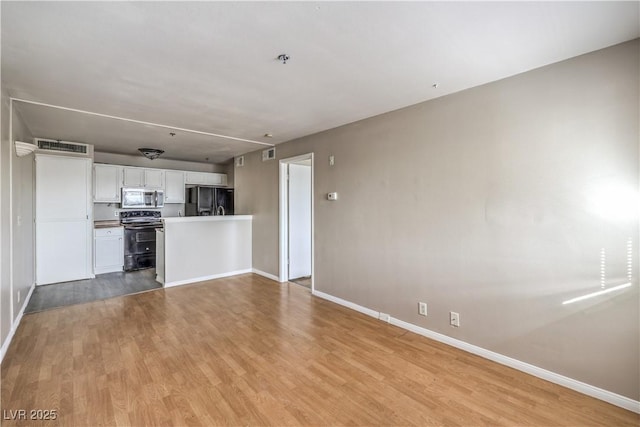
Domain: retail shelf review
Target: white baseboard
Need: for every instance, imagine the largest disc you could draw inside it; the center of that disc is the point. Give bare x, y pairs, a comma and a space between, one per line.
348, 304
204, 278
589, 390
267, 275
14, 326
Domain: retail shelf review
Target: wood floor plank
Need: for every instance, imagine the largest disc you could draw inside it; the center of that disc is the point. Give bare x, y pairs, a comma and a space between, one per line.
248, 351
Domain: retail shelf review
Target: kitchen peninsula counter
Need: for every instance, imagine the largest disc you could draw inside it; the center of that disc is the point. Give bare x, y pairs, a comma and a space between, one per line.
197, 248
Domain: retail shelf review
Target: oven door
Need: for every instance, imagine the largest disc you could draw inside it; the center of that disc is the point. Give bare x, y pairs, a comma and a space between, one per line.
139, 247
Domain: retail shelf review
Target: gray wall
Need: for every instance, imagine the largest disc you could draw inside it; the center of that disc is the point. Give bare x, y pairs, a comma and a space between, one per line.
5, 220
17, 203
23, 211
485, 202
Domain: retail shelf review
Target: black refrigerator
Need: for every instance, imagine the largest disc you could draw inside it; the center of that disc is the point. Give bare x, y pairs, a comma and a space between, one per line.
224, 200
205, 201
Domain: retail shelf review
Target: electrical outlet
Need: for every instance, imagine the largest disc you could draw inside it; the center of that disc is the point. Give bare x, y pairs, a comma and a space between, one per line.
454, 319
116, 214
19, 296
422, 308
332, 160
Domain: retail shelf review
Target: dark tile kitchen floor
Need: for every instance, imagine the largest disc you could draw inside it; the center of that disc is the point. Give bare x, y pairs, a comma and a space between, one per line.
104, 286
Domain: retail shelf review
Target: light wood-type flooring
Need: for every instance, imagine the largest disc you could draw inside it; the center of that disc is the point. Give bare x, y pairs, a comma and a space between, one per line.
249, 351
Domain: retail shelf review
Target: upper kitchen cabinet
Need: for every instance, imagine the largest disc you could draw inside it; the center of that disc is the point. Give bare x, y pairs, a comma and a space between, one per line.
106, 183
174, 186
153, 178
143, 178
204, 178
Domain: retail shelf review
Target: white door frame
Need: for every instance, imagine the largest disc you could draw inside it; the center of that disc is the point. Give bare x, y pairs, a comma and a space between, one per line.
284, 217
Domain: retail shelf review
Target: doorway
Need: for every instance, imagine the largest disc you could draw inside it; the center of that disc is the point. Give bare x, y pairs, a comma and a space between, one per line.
296, 220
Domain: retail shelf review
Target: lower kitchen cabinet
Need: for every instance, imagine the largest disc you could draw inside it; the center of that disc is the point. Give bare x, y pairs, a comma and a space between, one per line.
108, 249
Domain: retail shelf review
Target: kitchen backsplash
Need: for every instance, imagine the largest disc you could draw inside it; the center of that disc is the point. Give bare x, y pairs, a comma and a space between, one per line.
107, 211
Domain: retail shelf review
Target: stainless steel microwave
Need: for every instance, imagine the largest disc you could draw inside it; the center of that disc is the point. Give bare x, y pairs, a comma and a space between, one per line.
142, 198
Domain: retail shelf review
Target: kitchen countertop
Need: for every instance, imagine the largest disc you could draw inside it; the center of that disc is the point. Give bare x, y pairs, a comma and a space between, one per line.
206, 218
109, 223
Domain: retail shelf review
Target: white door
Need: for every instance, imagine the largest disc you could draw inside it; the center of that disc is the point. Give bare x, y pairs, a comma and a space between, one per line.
299, 220
63, 219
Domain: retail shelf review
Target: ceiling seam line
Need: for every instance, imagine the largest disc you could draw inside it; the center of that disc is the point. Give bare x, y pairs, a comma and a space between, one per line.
26, 101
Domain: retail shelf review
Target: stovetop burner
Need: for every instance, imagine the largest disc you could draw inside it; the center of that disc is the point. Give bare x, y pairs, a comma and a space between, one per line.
130, 217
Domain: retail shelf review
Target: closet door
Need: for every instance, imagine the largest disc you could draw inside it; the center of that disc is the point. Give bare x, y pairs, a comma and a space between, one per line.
63, 219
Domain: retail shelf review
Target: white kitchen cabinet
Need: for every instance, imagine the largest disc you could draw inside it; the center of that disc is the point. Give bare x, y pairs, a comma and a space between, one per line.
154, 178
205, 178
143, 178
133, 177
196, 178
63, 219
106, 183
108, 248
173, 186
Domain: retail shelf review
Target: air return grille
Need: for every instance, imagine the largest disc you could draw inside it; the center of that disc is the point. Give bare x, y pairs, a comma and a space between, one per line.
269, 154
67, 147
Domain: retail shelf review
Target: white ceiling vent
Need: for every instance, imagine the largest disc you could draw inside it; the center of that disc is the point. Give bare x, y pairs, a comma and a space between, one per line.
52, 146
269, 154
239, 161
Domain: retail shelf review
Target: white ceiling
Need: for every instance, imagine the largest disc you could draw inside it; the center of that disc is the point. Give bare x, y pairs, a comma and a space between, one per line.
212, 67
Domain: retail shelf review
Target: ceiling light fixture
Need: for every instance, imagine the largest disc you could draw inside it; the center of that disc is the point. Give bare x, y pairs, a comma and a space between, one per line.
284, 58
151, 153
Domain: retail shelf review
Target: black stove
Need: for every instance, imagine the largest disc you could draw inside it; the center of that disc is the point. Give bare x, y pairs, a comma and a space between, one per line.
140, 218
140, 238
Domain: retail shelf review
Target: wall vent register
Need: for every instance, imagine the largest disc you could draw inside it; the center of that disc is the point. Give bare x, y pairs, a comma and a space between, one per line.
269, 154
66, 147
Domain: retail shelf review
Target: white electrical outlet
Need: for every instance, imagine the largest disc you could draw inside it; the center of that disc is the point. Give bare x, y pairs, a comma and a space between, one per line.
116, 214
422, 308
19, 296
454, 319
332, 160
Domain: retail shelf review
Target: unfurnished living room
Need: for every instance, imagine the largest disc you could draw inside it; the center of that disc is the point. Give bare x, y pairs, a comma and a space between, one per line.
320, 213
